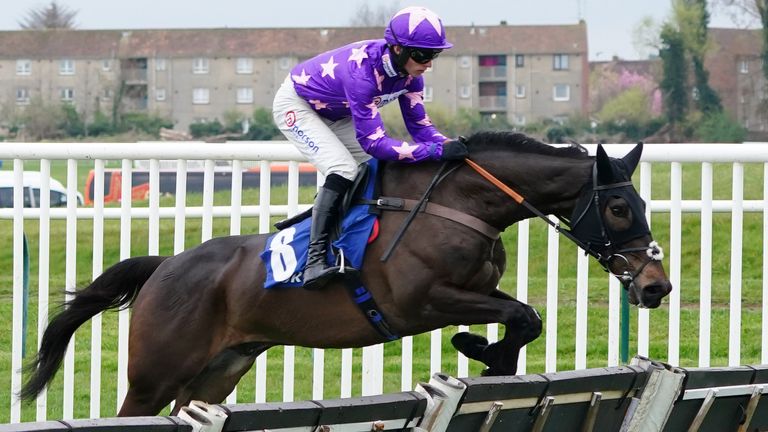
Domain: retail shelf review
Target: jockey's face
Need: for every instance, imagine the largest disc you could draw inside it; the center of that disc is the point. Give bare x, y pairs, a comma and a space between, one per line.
413, 68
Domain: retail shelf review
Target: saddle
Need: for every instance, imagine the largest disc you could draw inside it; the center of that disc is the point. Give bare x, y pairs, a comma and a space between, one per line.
353, 195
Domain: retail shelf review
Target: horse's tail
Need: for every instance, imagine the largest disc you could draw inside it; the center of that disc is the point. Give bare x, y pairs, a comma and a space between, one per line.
117, 287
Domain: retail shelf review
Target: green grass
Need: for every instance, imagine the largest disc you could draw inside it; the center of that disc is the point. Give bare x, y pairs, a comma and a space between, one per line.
598, 313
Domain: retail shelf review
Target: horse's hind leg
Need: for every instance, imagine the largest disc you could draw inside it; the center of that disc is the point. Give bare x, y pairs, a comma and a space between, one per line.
220, 376
138, 403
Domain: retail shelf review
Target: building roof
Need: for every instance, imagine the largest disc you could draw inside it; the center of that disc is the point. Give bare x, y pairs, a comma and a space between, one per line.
738, 42
302, 42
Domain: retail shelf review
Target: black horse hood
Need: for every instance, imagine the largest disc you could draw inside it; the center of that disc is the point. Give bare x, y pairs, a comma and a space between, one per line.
610, 178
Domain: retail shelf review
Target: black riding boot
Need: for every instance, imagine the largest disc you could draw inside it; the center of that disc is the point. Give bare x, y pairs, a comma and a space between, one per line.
325, 214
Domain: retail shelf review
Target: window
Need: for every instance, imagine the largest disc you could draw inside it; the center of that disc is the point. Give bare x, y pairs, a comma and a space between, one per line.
22, 96
427, 94
201, 96
560, 62
106, 93
6, 197
160, 94
106, 65
492, 60
519, 119
561, 92
67, 94
245, 65
200, 65
519, 60
285, 63
66, 67
465, 62
58, 199
23, 67
519, 91
244, 95
160, 64
465, 92
744, 66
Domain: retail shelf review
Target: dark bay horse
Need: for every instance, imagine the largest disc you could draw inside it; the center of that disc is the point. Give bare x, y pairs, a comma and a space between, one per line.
201, 318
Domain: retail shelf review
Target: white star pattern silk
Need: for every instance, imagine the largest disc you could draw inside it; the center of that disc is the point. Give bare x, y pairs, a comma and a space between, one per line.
416, 98
379, 133
417, 15
425, 121
379, 78
405, 151
374, 109
301, 79
358, 54
318, 104
324, 81
328, 68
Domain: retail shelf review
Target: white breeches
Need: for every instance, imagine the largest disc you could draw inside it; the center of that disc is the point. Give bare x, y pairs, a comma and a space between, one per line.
331, 146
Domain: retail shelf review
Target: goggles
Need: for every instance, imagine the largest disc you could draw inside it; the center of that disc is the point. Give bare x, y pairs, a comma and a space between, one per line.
422, 55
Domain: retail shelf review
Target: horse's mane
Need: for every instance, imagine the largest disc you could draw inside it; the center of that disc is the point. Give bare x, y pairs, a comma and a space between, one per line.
516, 141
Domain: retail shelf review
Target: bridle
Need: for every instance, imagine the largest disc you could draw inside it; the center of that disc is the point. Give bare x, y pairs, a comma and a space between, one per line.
603, 249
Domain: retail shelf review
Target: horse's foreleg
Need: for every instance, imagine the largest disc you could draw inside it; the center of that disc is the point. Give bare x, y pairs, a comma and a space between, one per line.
522, 322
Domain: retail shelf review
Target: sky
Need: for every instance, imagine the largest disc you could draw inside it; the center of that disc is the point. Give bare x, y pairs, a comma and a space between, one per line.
610, 23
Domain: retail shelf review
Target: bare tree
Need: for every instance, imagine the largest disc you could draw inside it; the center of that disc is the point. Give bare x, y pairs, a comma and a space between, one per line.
743, 13
369, 16
646, 37
52, 16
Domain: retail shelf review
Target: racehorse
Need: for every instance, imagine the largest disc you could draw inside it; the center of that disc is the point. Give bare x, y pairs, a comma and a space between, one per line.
201, 318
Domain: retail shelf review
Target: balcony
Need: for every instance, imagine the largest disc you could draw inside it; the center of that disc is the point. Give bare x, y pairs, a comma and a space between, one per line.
135, 76
493, 73
492, 103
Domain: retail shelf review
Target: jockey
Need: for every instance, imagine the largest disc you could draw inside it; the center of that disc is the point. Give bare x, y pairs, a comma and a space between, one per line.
328, 106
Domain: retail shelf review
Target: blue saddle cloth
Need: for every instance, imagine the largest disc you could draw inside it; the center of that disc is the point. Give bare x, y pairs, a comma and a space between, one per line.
285, 255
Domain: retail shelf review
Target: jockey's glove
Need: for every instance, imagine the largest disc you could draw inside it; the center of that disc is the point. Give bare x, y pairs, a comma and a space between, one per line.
454, 149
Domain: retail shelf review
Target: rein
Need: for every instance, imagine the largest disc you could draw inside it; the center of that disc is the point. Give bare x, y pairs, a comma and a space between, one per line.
520, 200
439, 177
653, 250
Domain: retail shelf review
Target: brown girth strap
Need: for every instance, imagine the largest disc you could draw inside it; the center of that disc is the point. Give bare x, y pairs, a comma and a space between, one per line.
401, 204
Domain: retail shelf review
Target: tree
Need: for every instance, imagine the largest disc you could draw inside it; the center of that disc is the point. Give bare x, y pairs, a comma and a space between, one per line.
631, 105
673, 85
367, 16
707, 99
645, 37
743, 13
262, 125
53, 16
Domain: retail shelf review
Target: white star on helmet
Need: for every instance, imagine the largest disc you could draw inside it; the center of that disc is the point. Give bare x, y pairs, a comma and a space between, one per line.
419, 14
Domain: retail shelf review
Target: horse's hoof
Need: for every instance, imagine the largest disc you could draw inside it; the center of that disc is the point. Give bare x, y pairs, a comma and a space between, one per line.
469, 344
492, 372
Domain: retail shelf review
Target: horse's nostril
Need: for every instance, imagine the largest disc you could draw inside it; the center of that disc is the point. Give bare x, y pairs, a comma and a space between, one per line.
653, 293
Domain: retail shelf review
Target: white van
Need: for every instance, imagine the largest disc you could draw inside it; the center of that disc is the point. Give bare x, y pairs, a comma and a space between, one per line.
32, 182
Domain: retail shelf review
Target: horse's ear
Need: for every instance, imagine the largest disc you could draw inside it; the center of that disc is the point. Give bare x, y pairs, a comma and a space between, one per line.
632, 158
604, 169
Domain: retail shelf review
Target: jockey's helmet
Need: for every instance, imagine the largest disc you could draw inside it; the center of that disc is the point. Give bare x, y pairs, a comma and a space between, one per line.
416, 27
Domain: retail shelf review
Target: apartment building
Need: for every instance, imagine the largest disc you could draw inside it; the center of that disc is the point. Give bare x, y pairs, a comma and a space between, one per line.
525, 73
